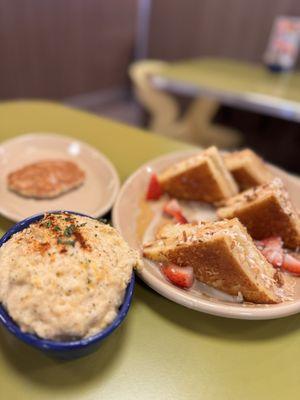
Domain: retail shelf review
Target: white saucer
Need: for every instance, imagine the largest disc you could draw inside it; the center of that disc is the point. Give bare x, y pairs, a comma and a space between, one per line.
95, 197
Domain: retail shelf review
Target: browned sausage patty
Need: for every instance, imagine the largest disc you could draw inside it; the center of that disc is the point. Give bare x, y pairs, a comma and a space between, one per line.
45, 179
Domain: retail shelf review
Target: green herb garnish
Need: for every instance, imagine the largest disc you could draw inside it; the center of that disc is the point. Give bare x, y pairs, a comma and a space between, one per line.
68, 242
69, 230
57, 228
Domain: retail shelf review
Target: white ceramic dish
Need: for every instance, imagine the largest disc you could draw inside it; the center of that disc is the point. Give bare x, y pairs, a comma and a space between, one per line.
127, 219
95, 197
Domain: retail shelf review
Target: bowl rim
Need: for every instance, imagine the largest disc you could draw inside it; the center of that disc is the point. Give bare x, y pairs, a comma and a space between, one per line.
47, 344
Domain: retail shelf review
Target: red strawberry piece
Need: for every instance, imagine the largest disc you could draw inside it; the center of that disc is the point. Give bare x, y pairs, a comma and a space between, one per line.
274, 256
291, 264
179, 276
274, 242
271, 248
172, 208
154, 191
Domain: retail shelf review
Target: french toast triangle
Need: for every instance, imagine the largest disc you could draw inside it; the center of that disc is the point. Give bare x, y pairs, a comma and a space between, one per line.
202, 177
265, 211
223, 256
247, 168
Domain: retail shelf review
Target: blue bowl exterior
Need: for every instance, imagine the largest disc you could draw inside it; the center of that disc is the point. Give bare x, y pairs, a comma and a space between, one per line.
64, 350
276, 68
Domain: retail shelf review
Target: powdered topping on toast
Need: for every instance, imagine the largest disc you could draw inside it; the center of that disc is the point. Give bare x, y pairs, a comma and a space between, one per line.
275, 187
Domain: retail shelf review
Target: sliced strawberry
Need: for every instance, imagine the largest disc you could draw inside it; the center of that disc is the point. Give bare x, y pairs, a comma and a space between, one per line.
180, 218
291, 264
172, 208
271, 248
294, 254
154, 189
179, 276
274, 242
274, 256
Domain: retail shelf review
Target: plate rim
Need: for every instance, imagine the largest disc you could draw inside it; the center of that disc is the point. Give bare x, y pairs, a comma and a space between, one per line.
115, 176
177, 295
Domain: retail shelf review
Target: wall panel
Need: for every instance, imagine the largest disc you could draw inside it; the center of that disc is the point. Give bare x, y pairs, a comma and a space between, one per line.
59, 48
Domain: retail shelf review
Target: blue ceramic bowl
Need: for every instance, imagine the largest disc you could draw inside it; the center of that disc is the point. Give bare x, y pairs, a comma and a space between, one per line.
65, 350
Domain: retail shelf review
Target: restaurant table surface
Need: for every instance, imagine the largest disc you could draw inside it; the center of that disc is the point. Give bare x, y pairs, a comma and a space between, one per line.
162, 350
236, 83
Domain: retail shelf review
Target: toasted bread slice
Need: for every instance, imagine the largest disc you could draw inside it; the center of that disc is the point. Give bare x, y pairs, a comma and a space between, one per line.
266, 211
203, 177
247, 168
222, 255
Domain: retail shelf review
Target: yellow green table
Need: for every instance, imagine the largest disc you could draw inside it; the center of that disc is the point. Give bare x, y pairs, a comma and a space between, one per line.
163, 351
235, 83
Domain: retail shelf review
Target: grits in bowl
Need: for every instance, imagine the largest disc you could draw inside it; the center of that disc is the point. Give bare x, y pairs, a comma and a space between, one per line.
64, 277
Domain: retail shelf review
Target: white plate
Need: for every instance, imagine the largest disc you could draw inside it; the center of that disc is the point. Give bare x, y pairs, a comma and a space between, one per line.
126, 214
95, 197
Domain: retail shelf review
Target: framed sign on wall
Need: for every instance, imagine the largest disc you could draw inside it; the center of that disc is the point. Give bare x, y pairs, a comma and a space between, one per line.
284, 43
